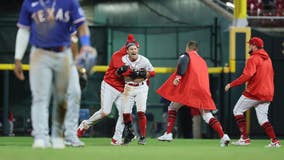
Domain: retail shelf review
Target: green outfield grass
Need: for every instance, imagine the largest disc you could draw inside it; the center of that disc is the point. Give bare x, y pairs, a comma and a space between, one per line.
19, 148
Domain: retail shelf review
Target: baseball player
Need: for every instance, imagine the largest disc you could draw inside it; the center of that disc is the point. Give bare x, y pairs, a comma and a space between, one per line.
189, 86
11, 120
111, 89
73, 101
136, 71
46, 24
259, 74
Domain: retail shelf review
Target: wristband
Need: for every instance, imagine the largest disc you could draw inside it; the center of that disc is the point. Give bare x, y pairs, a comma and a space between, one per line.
85, 40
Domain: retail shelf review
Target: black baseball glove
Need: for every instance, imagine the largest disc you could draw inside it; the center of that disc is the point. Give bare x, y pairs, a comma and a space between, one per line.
121, 69
143, 73
138, 74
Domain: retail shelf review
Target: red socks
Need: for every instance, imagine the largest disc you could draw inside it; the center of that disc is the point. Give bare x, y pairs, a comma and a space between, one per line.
127, 118
241, 122
142, 121
171, 120
269, 130
215, 124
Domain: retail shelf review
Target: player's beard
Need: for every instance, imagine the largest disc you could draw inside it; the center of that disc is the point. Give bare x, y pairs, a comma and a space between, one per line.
250, 51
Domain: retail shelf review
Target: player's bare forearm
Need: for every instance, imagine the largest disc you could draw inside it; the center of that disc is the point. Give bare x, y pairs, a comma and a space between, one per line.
227, 87
18, 70
150, 74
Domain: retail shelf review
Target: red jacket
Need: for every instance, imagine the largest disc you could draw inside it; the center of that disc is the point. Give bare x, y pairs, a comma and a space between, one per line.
110, 77
259, 74
193, 90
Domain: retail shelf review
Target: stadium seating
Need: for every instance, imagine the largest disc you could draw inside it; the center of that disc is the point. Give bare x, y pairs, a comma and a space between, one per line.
266, 8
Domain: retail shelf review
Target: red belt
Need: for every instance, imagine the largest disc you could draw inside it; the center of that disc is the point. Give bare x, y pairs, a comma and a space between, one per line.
136, 84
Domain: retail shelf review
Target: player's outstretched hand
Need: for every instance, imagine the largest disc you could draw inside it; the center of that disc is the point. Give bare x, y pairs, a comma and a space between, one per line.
18, 70
227, 87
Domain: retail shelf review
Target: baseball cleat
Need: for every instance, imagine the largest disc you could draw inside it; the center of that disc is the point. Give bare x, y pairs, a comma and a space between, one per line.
39, 144
274, 144
130, 136
57, 143
225, 140
242, 142
73, 141
80, 132
115, 142
129, 139
142, 140
82, 128
166, 137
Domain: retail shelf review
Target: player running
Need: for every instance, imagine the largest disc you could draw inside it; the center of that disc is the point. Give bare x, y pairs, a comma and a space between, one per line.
111, 89
136, 72
189, 86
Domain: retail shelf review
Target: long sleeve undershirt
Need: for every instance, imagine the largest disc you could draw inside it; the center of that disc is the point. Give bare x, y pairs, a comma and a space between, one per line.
182, 64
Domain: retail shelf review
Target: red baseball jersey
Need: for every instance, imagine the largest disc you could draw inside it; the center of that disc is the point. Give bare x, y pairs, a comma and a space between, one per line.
193, 90
110, 76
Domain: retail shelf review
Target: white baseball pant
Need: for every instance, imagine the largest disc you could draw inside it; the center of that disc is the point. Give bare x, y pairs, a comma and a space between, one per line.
132, 94
261, 108
73, 102
48, 71
109, 95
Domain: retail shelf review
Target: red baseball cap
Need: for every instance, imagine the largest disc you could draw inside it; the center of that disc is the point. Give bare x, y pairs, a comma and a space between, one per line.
256, 41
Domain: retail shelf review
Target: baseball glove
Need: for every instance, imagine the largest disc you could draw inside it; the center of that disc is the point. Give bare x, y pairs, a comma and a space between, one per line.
138, 74
86, 60
122, 69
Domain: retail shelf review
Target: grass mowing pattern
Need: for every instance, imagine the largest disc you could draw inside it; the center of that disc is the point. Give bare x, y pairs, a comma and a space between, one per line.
19, 148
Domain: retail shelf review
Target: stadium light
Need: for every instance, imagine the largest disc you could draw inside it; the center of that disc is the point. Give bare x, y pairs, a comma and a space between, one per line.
230, 4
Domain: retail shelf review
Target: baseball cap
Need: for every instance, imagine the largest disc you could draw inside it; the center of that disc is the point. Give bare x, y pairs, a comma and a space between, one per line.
256, 41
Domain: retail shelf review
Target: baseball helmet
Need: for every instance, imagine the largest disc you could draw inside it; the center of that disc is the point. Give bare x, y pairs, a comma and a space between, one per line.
256, 41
